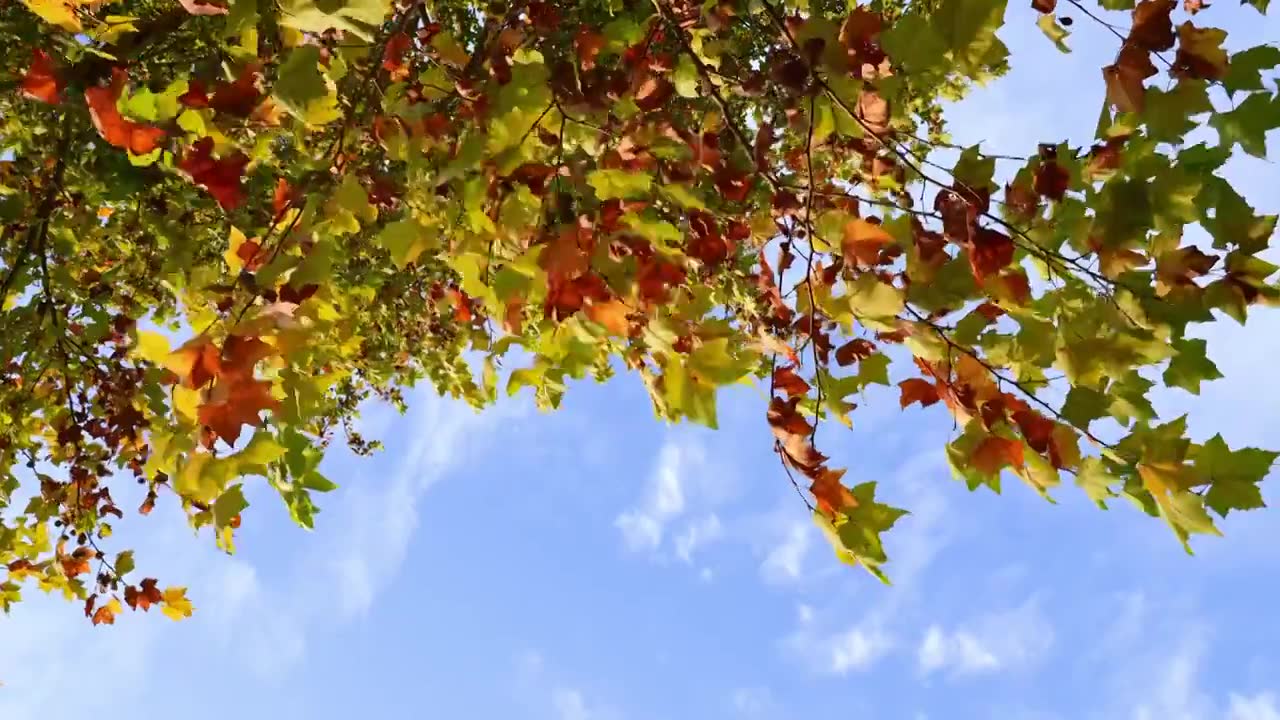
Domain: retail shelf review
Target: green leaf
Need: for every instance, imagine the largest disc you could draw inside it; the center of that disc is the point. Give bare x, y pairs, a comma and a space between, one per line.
870, 298
405, 239
1233, 475
124, 563
968, 28
228, 505
1190, 366
1248, 124
610, 184
359, 17
855, 532
1245, 70
305, 91
1096, 481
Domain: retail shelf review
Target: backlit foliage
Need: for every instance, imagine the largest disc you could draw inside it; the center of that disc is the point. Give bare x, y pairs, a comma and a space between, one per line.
226, 223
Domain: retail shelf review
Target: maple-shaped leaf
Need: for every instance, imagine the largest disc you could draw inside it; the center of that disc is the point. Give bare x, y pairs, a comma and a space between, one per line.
917, 390
240, 353
1200, 54
1124, 79
995, 453
1152, 29
612, 314
855, 531
116, 129
220, 176
989, 252
41, 81
144, 595
863, 242
204, 7
393, 56
830, 492
106, 614
1232, 475
786, 380
175, 605
793, 433
197, 362
1052, 180
232, 405
241, 96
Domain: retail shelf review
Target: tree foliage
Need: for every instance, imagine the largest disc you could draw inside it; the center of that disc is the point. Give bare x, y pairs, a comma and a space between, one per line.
226, 223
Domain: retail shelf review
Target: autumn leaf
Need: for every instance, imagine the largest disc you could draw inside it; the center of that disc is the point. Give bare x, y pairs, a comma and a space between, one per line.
918, 390
222, 177
41, 81
588, 45
994, 453
137, 138
175, 605
106, 614
863, 242
234, 404
1152, 29
144, 595
786, 380
1200, 54
393, 56
197, 362
203, 7
612, 315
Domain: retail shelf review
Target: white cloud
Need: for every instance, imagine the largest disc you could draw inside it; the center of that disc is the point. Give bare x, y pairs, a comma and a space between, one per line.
785, 562
706, 530
569, 704
837, 652
1016, 638
1259, 707
752, 702
679, 488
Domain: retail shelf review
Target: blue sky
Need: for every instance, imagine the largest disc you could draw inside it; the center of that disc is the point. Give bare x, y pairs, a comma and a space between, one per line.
595, 564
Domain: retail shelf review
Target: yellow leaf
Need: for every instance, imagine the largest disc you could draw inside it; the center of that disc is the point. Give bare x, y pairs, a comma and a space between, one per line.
186, 402
176, 605
152, 347
232, 255
57, 12
450, 51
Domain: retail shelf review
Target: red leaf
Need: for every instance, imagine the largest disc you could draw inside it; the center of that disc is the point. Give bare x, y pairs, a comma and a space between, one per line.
918, 390
1052, 180
234, 405
195, 96
853, 351
786, 380
588, 43
144, 596
221, 177
283, 198
117, 130
1044, 6
653, 92
393, 55
197, 362
239, 98
41, 81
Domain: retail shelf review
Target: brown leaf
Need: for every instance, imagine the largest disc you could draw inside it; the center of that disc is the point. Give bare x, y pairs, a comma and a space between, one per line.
41, 81
239, 98
143, 596
830, 492
1044, 6
786, 380
918, 390
1052, 180
653, 92
989, 252
1200, 54
853, 351
1152, 29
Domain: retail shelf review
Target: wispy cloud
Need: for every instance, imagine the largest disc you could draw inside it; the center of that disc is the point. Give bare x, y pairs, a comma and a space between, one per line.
1016, 638
835, 651
785, 562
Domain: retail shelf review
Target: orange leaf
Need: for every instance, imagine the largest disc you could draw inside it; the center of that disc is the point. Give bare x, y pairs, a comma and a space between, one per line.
239, 355
995, 453
235, 405
41, 81
863, 242
989, 251
117, 130
393, 56
197, 362
612, 314
830, 492
918, 390
105, 615
588, 44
